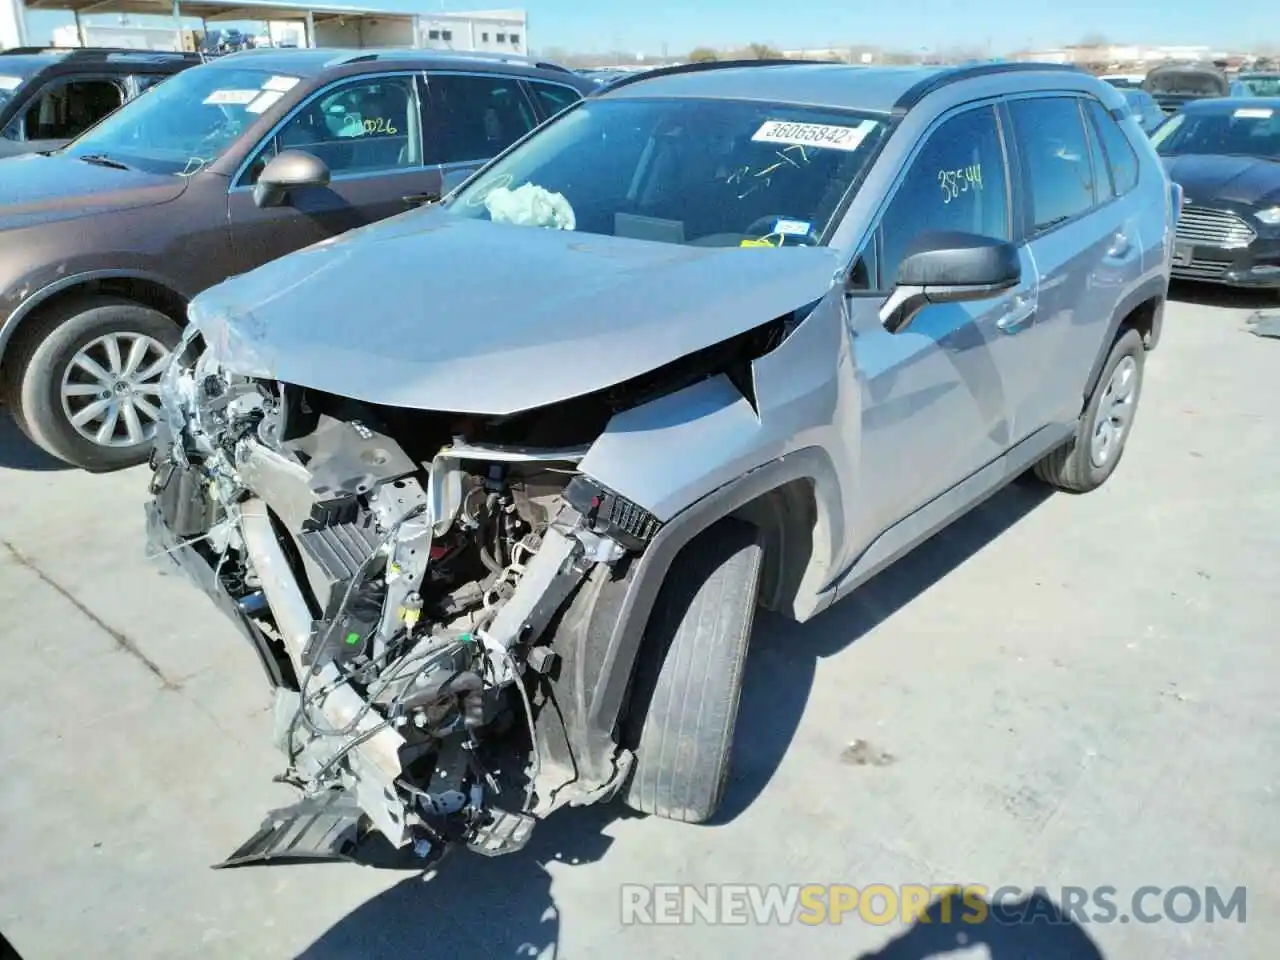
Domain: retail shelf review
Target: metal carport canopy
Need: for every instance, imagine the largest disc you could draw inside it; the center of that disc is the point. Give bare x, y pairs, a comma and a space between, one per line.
220, 10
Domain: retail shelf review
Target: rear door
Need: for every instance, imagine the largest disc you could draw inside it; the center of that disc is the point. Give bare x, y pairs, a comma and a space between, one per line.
368, 130
472, 117
1086, 247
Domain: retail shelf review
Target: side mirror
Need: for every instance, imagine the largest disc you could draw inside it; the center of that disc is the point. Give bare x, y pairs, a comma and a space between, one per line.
949, 268
288, 170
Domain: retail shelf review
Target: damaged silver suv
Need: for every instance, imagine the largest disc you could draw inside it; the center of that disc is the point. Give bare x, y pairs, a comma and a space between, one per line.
495, 487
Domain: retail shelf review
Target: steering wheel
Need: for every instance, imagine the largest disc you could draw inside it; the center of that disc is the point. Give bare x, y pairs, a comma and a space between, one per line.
764, 227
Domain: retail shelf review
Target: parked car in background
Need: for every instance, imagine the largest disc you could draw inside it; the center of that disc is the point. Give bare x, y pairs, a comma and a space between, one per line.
1144, 107
1256, 85
1174, 84
1225, 154
720, 335
604, 77
1125, 81
49, 96
216, 171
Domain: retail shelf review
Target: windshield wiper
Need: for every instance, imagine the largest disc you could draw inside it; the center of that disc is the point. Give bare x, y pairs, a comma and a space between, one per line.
102, 160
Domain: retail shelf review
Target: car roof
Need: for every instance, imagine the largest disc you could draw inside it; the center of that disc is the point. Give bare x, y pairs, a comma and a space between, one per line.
31, 59
840, 85
310, 62
25, 63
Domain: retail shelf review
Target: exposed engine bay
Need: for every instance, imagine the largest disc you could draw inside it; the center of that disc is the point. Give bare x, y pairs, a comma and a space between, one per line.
398, 572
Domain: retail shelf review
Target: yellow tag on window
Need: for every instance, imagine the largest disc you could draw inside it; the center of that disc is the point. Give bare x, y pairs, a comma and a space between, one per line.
757, 243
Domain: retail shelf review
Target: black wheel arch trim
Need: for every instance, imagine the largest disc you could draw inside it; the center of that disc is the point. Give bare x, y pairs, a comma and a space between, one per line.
591, 707
9, 326
1155, 288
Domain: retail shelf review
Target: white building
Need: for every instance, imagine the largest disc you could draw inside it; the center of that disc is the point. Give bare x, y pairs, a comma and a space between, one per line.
124, 36
12, 24
497, 31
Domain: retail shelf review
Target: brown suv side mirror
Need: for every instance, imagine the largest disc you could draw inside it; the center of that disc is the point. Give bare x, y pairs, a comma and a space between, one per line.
288, 170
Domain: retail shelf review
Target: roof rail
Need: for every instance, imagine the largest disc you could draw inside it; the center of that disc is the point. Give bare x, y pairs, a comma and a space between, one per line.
368, 56
102, 53
945, 77
704, 66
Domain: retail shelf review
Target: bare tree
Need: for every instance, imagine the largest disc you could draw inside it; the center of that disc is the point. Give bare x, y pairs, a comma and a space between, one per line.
703, 55
760, 51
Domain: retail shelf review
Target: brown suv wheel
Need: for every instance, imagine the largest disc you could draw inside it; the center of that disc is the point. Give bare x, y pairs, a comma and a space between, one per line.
84, 382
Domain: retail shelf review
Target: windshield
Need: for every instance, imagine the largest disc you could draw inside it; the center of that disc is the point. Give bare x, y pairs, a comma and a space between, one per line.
1268, 86
699, 172
1238, 131
186, 122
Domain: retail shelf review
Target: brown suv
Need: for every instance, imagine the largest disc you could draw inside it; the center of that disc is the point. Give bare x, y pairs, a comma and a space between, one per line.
223, 167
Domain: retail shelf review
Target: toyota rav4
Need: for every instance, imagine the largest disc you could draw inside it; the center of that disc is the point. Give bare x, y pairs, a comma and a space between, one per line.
495, 487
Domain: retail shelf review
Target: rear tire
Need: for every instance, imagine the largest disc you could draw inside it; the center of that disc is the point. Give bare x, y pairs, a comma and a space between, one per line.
1092, 455
45, 390
689, 680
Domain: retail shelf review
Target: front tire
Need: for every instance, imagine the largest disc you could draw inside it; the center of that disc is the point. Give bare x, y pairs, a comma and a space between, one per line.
1086, 462
689, 679
84, 381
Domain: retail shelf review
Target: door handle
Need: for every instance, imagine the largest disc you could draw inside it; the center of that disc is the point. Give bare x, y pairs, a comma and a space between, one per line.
420, 199
1020, 311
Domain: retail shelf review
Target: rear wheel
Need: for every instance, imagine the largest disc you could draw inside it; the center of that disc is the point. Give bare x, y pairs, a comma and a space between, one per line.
85, 380
689, 679
1093, 454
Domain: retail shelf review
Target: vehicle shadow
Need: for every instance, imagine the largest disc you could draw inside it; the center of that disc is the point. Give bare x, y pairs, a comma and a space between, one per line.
1213, 295
784, 655
419, 918
422, 916
1034, 928
19, 453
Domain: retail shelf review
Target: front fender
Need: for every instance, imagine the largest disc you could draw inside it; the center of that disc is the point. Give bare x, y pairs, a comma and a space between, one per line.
42, 285
599, 636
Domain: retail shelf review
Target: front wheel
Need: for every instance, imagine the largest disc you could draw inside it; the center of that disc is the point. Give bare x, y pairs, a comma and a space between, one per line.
689, 679
85, 381
1093, 454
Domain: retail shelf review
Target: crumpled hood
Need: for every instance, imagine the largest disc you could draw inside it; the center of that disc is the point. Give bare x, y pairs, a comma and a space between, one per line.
431, 311
39, 189
1206, 178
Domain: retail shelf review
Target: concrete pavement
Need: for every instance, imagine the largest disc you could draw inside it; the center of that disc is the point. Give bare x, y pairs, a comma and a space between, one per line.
1059, 691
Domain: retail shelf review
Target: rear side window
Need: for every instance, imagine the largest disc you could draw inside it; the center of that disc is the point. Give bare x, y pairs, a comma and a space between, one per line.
1055, 159
956, 182
552, 97
1119, 151
146, 81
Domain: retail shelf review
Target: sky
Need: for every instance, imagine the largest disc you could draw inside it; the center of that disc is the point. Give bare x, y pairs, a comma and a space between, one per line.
649, 26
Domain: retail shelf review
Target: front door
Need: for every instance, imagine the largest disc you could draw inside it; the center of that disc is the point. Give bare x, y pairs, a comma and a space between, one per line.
369, 133
936, 403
